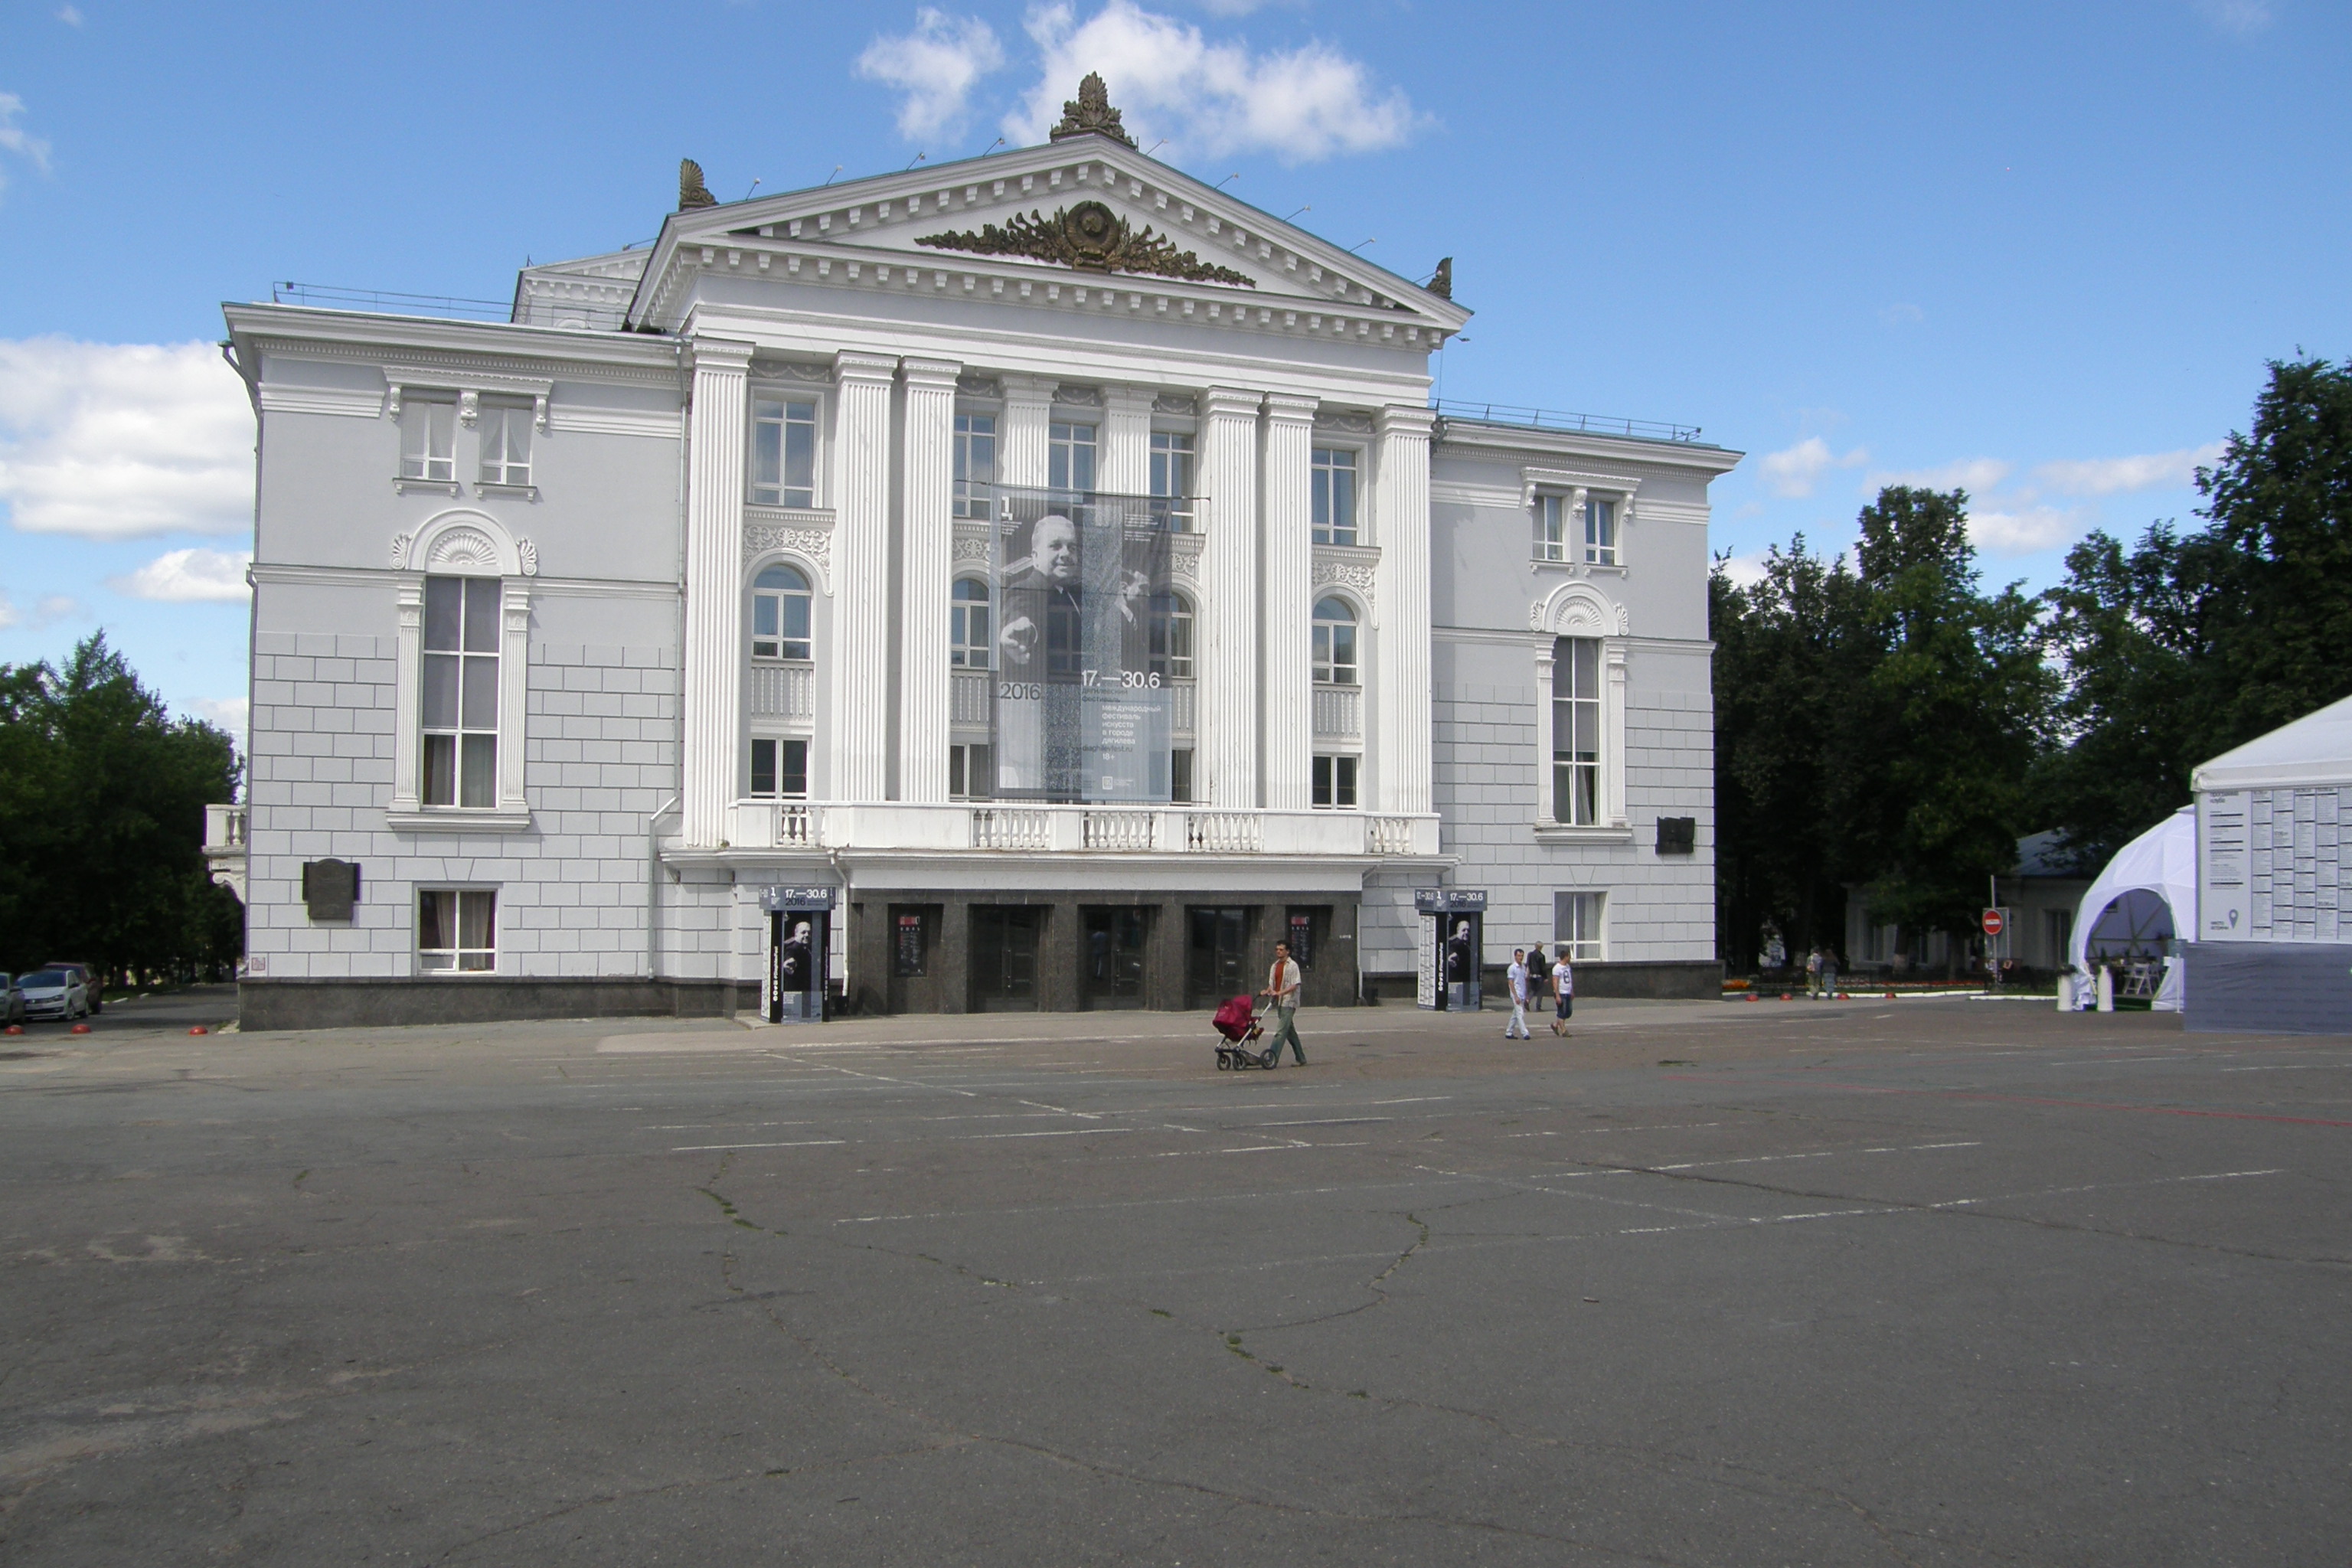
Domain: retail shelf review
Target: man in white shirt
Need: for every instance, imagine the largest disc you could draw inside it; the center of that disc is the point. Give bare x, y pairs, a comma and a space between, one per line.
1282, 989
1517, 1029
1563, 991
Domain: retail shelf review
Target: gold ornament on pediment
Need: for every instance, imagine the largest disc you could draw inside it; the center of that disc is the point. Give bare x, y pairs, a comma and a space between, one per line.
1090, 237
1090, 113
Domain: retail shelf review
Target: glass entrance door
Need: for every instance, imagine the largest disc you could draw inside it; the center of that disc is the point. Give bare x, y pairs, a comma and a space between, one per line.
1112, 966
1217, 957
1005, 958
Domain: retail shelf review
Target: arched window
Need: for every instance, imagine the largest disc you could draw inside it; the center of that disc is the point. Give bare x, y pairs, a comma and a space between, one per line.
968, 639
1335, 643
780, 614
1172, 636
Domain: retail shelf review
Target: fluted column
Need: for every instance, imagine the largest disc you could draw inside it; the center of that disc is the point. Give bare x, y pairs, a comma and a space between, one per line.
1125, 467
714, 590
860, 648
926, 477
1226, 628
1020, 445
1288, 602
1400, 524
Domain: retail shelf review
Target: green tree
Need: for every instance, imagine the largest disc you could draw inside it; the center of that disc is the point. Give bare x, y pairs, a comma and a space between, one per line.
102, 797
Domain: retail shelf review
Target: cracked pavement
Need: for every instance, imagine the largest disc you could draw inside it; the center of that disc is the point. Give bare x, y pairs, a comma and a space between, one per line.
1928, 1283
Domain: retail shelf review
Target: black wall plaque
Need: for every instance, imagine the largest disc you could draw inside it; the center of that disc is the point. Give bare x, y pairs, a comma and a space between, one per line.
330, 887
1677, 834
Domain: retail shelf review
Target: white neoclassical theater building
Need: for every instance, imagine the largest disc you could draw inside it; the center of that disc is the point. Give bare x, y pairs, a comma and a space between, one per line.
1042, 581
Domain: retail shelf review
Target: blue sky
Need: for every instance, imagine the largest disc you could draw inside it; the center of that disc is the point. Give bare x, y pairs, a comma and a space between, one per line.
2041, 250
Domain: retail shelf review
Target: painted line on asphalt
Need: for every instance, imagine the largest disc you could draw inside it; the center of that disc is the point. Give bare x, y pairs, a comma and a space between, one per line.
803, 1143
2031, 1100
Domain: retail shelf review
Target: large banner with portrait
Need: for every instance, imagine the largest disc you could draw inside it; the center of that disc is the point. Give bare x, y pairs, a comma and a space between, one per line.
1079, 712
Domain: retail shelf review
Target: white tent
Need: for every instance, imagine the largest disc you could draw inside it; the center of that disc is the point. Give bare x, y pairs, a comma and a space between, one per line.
2161, 861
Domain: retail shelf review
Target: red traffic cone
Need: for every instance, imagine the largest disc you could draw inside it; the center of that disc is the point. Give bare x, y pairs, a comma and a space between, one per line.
81, 1029
199, 1029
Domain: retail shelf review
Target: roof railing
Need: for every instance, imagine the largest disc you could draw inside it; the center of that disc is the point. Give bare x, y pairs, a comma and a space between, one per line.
330, 297
1550, 419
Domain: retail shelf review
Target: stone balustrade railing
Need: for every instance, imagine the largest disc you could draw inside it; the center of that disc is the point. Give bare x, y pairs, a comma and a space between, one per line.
1021, 828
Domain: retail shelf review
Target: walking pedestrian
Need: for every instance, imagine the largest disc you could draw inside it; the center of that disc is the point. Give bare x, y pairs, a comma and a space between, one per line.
1813, 972
1563, 993
1828, 974
1517, 1029
1282, 989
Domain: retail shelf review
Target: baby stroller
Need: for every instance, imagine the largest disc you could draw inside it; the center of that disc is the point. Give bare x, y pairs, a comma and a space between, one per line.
1237, 1021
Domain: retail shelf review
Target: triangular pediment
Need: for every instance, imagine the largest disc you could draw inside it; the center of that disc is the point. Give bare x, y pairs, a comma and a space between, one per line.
1085, 211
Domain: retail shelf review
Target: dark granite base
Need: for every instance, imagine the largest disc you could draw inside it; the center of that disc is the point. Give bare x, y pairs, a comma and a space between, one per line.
264, 1005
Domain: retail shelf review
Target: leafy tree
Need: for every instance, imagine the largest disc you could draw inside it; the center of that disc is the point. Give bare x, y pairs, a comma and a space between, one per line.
102, 799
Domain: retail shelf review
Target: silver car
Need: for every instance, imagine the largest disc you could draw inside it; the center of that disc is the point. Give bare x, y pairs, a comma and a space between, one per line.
53, 993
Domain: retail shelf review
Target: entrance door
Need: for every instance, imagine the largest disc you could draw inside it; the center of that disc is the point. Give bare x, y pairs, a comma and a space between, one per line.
1005, 958
1110, 968
1217, 958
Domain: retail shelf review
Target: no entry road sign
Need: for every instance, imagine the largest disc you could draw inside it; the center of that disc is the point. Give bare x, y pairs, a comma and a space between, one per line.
1993, 922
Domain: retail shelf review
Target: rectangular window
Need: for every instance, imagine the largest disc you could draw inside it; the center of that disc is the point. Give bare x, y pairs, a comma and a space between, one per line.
1172, 476
781, 610
1576, 731
968, 775
1180, 776
506, 443
1171, 637
1069, 457
1335, 496
1552, 528
783, 452
1601, 532
1335, 783
460, 691
457, 931
975, 463
968, 645
429, 439
779, 769
1575, 925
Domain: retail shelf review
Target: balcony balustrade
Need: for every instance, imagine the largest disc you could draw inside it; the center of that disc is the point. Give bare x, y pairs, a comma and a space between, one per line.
1339, 712
783, 691
1002, 828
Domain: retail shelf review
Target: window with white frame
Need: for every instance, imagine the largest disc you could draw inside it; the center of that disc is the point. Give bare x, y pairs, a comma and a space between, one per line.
1335, 783
1576, 731
428, 437
1069, 457
1578, 925
783, 451
1552, 528
461, 687
782, 605
506, 443
779, 769
1172, 636
1601, 531
1180, 776
967, 774
1335, 495
969, 642
975, 465
1172, 476
1335, 643
457, 931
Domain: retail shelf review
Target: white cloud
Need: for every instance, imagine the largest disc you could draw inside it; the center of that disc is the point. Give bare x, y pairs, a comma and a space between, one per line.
1168, 80
936, 67
1902, 315
56, 607
1794, 471
15, 137
2024, 531
69, 16
1974, 475
1745, 571
190, 576
2240, 17
227, 712
114, 440
2115, 476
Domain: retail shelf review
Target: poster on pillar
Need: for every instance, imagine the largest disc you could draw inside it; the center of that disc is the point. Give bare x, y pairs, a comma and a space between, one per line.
1080, 710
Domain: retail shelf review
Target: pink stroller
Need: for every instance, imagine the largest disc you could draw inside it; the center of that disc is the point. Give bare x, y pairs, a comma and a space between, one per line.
1238, 1022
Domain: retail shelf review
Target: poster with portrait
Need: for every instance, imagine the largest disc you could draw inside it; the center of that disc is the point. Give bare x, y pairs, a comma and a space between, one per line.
1078, 713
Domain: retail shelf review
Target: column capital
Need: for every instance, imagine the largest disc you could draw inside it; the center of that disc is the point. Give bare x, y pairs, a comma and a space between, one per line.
1129, 400
936, 373
849, 367
723, 356
1404, 419
1289, 409
1027, 391
1229, 402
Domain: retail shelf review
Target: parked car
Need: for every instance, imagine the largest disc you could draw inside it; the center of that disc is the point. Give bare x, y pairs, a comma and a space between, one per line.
55, 993
12, 1004
90, 981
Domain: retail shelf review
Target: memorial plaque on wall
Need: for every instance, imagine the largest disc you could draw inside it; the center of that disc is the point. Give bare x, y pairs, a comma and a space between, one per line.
331, 888
1079, 711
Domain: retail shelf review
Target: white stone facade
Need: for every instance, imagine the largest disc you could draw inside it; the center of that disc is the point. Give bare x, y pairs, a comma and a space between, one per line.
588, 477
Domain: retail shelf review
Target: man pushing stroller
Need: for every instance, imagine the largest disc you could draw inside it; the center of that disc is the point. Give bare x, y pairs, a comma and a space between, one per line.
1282, 990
